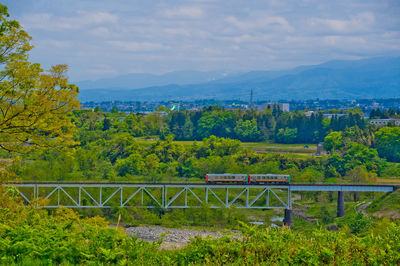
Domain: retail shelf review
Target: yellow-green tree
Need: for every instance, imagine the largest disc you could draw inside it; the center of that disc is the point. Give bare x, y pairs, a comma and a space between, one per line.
34, 103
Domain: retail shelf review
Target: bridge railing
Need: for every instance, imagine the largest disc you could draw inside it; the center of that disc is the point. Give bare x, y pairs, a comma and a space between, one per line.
168, 196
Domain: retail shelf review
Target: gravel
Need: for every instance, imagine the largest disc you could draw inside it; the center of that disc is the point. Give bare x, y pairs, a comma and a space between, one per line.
174, 235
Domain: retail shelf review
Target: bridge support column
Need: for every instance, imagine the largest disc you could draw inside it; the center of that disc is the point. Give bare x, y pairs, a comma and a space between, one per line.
340, 204
288, 220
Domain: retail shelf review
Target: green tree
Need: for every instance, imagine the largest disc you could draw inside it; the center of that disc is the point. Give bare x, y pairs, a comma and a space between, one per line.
246, 130
114, 110
334, 141
106, 124
388, 143
33, 103
287, 135
133, 165
217, 123
360, 174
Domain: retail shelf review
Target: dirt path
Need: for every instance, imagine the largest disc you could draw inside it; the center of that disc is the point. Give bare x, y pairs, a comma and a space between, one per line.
363, 207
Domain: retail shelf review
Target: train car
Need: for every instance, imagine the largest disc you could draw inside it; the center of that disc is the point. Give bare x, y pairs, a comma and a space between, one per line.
247, 179
269, 179
227, 178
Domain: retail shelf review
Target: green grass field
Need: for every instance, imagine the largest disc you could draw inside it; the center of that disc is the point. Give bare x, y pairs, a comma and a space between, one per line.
260, 147
283, 148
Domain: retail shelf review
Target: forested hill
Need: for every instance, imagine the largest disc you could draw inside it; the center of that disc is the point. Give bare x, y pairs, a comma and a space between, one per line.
367, 78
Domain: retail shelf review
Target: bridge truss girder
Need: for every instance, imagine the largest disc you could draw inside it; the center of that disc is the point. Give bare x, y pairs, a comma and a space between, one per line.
168, 196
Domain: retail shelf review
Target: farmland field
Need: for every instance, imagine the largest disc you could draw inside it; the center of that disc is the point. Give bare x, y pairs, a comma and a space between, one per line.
260, 147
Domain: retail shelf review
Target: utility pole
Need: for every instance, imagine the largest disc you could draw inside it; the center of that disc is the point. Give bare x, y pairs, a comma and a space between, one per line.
251, 105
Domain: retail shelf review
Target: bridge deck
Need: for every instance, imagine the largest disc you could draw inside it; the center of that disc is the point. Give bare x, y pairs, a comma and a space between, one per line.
293, 187
173, 195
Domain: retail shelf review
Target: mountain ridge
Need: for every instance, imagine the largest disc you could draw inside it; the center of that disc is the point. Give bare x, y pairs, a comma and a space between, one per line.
338, 79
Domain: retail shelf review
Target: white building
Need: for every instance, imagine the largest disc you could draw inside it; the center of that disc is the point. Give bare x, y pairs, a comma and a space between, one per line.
385, 122
332, 115
284, 107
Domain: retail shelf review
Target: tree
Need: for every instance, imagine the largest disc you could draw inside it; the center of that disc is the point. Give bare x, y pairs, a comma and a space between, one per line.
388, 143
106, 124
247, 130
360, 174
287, 135
333, 141
114, 110
33, 103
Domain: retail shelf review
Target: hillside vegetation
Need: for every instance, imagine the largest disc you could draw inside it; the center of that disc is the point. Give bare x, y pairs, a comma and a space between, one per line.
35, 236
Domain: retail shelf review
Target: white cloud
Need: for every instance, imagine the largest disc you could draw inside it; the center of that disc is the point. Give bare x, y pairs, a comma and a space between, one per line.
344, 41
137, 46
206, 34
360, 23
190, 12
97, 17
53, 44
50, 22
102, 69
100, 31
268, 23
177, 31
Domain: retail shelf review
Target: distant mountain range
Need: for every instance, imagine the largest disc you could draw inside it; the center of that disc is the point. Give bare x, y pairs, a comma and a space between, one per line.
339, 79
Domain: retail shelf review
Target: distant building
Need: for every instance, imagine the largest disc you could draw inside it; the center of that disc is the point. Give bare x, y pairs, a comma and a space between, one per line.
385, 122
332, 115
284, 107
320, 149
87, 109
309, 113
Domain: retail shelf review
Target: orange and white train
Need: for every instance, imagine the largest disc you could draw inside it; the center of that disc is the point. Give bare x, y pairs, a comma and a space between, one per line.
247, 179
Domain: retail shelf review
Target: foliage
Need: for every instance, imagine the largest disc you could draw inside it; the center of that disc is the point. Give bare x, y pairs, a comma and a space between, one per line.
360, 174
334, 141
388, 143
31, 236
35, 236
34, 104
252, 125
357, 222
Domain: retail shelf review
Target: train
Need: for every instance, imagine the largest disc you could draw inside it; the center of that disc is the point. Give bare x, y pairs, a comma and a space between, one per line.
253, 179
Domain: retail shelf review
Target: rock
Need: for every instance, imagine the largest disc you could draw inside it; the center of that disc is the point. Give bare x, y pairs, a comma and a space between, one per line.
332, 227
171, 235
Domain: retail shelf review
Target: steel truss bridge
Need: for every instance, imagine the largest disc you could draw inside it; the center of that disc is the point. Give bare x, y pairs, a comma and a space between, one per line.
169, 195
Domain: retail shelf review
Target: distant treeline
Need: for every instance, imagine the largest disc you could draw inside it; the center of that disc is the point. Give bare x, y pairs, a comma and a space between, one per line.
384, 114
269, 125
251, 125
109, 146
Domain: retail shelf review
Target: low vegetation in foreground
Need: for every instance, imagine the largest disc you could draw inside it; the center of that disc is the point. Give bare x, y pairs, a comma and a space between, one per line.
33, 236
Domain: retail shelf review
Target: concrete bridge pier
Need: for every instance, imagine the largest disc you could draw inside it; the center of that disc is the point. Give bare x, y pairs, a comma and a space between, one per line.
340, 204
288, 220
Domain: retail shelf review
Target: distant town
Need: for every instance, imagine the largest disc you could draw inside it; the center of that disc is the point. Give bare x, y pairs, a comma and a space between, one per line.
365, 105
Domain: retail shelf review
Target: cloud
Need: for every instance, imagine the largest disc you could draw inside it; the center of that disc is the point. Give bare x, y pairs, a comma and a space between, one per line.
97, 17
137, 46
102, 69
362, 22
100, 31
190, 12
274, 23
177, 31
50, 22
155, 36
344, 41
53, 43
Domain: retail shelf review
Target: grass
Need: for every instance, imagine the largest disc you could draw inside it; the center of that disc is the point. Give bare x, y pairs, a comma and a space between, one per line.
388, 181
387, 201
281, 148
260, 147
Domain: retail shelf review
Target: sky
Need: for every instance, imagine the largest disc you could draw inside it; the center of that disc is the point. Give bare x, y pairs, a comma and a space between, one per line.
99, 38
